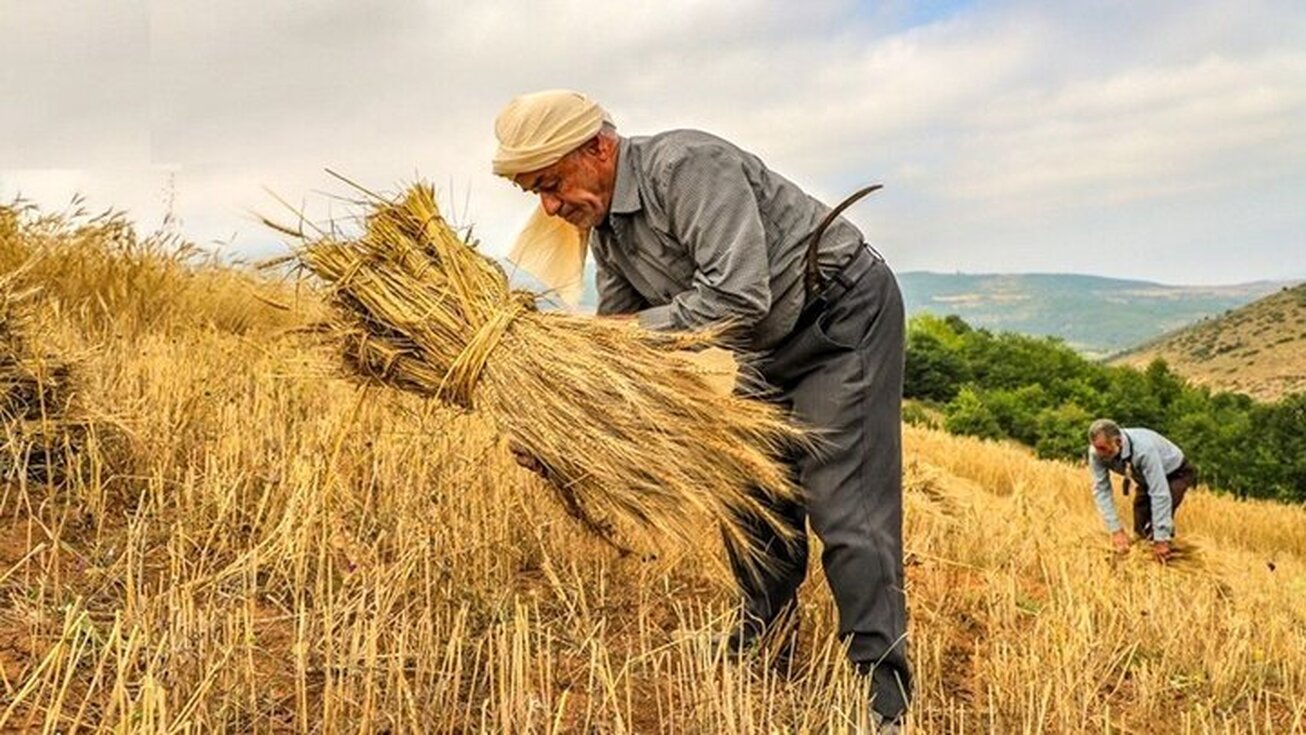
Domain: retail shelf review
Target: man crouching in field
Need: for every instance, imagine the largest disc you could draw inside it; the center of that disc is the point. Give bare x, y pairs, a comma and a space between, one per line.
689, 231
1160, 470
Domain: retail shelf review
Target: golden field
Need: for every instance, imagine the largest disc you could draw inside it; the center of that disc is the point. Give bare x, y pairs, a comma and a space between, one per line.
244, 541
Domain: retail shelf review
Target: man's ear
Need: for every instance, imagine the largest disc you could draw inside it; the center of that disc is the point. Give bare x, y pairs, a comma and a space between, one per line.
599, 147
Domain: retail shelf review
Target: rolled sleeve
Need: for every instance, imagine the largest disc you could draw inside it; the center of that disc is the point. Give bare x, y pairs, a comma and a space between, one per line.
714, 212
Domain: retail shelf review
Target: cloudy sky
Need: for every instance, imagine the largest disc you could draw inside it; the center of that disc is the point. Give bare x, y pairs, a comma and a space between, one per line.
1160, 140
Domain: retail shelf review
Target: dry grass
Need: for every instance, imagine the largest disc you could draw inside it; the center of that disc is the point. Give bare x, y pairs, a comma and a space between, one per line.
282, 551
1258, 349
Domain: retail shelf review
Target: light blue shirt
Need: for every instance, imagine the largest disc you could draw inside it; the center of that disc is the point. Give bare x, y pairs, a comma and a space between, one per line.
1153, 457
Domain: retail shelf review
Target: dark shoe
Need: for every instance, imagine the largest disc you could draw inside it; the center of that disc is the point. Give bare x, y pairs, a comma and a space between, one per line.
741, 639
887, 700
773, 643
883, 726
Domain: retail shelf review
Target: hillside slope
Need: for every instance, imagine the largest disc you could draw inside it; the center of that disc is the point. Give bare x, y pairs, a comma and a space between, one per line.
246, 542
1258, 349
1095, 315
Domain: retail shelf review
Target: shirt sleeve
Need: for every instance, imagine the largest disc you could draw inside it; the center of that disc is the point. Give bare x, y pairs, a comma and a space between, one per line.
714, 213
1106, 506
616, 295
1158, 489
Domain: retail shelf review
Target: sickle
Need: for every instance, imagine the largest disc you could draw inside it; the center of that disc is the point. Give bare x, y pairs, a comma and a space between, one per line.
812, 277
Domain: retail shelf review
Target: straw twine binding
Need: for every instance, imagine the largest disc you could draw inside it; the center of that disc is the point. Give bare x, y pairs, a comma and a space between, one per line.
460, 382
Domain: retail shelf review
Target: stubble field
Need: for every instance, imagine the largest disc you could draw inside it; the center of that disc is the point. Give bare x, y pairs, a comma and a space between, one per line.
204, 528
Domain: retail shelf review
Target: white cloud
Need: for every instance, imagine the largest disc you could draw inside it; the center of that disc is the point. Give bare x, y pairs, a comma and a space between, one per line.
75, 81
1012, 136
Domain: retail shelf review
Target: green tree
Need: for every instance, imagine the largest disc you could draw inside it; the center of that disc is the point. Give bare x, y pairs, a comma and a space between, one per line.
934, 371
1063, 432
967, 414
1131, 402
1040, 392
1165, 384
1017, 410
1276, 448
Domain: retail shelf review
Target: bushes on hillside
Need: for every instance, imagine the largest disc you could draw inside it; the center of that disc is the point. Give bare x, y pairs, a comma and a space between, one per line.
1042, 393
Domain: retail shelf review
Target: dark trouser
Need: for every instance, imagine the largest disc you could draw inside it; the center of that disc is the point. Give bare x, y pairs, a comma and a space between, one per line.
1180, 480
841, 374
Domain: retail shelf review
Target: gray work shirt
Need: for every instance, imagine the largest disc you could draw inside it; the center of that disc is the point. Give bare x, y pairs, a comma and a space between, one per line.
701, 232
1153, 457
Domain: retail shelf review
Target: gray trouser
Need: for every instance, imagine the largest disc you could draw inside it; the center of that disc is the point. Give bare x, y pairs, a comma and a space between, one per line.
841, 375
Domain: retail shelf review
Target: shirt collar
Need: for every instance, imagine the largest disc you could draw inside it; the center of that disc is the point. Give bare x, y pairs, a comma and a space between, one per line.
625, 190
1126, 447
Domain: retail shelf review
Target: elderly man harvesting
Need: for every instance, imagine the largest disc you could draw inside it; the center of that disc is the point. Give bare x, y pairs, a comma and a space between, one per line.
1156, 465
688, 231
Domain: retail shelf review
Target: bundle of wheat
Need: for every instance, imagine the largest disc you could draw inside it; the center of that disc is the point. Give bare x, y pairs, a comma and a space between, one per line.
39, 432
622, 426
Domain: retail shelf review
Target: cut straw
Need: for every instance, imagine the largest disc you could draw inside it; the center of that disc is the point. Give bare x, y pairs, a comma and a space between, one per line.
626, 431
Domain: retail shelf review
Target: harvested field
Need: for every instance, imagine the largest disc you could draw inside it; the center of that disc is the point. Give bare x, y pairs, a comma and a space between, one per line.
283, 550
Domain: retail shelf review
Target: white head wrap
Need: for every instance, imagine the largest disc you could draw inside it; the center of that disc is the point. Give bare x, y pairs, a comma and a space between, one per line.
536, 130
552, 250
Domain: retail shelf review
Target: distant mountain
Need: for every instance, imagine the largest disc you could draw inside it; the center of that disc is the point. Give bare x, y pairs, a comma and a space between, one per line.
1258, 349
1098, 316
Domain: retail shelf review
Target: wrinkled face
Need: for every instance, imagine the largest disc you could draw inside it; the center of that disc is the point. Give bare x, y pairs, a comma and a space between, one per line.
1106, 447
578, 188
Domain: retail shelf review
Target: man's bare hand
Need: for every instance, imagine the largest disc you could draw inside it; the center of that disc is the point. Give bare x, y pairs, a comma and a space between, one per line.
1162, 551
1120, 540
526, 459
